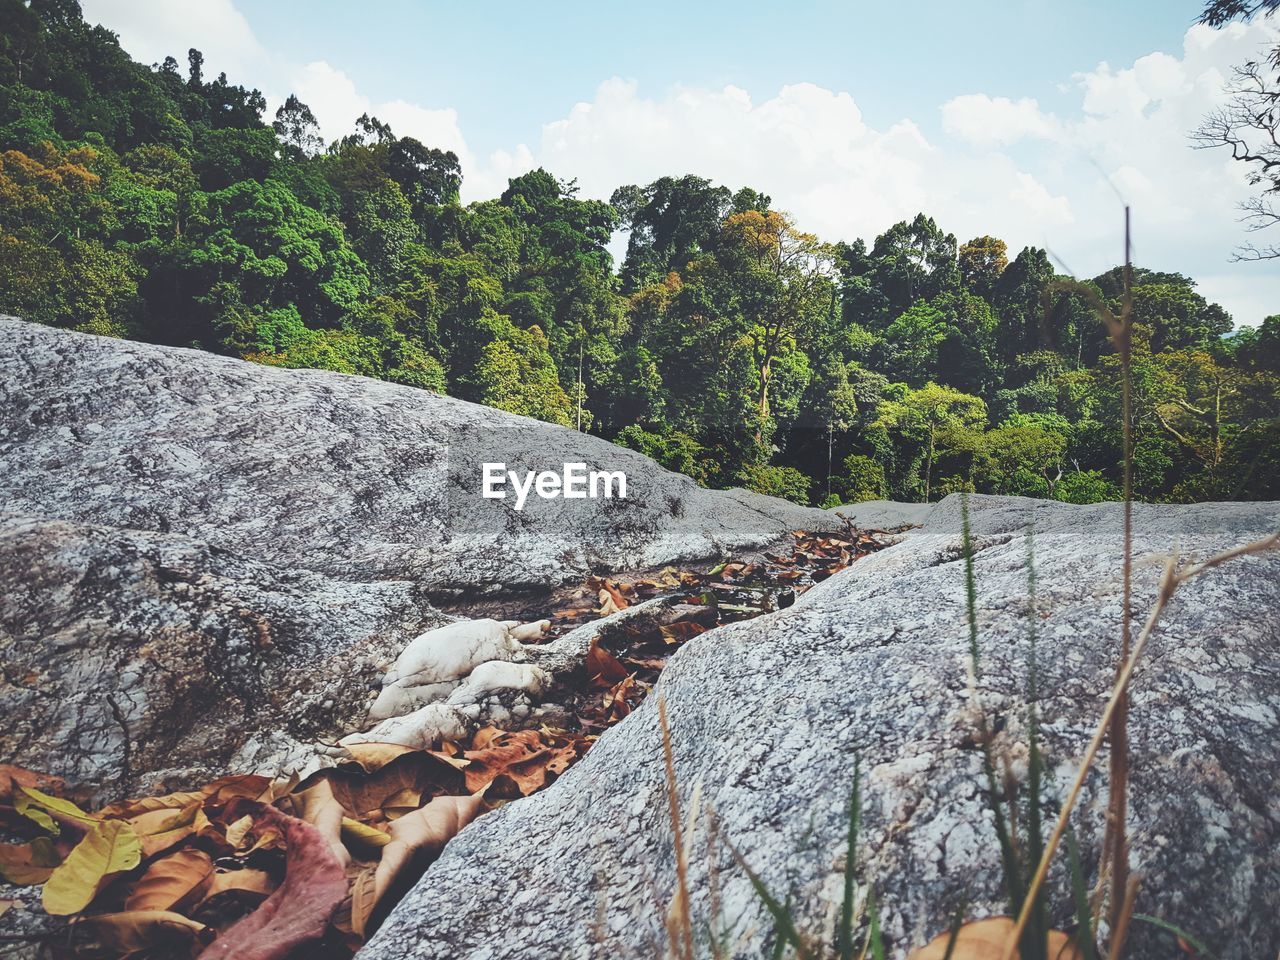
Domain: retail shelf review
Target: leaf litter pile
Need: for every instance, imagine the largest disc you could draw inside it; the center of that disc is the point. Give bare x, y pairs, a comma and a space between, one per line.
250, 868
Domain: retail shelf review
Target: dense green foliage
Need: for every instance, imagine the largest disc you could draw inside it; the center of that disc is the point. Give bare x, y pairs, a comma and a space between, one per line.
157, 204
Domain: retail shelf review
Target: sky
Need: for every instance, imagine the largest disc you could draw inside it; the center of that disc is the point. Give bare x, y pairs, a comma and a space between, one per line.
1020, 119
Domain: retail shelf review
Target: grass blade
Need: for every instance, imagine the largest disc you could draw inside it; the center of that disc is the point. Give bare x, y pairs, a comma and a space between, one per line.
1084, 915
1202, 952
845, 941
782, 919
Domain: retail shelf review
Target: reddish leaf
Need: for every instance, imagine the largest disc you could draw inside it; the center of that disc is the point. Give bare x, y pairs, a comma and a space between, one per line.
603, 668
299, 911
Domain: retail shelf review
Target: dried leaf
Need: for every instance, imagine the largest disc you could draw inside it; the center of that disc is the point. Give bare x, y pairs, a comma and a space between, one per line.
299, 911
251, 786
985, 940
133, 808
111, 847
238, 832
28, 863
362, 794
603, 668
374, 756
316, 805
251, 884
12, 777
363, 899
681, 631
171, 881
416, 841
161, 829
360, 834
49, 811
155, 931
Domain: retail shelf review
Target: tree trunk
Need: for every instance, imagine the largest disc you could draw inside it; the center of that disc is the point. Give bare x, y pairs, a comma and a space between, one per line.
928, 467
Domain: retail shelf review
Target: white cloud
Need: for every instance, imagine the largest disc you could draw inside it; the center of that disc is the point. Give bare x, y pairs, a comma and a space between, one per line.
336, 103
997, 121
154, 29
1001, 165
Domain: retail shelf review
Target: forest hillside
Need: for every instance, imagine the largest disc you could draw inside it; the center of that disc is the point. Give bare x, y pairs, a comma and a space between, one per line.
162, 204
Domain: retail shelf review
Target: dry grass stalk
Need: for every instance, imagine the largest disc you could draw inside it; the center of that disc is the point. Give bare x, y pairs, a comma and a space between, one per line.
679, 922
1170, 581
1124, 917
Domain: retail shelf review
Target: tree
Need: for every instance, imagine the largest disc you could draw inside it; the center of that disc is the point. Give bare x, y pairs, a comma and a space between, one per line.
783, 277
981, 262
835, 404
297, 128
518, 375
1178, 317
1221, 12
259, 248
930, 414
1249, 126
1019, 302
912, 261
668, 222
775, 481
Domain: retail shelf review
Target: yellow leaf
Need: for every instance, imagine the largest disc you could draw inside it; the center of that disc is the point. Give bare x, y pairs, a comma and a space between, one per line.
375, 756
361, 834
111, 847
238, 831
28, 801
170, 881
133, 808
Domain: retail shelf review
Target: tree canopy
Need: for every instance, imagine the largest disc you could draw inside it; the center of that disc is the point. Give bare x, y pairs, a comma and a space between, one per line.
730, 343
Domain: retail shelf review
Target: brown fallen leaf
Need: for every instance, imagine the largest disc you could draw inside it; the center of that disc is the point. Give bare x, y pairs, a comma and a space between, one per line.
607, 604
12, 777
156, 932
171, 881
127, 809
374, 756
362, 794
681, 631
318, 807
520, 756
416, 841
364, 888
25, 864
603, 668
985, 940
161, 829
245, 884
298, 912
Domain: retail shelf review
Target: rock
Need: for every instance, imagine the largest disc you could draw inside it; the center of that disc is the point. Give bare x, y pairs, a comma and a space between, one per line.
769, 716
355, 478
884, 514
228, 551
137, 660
